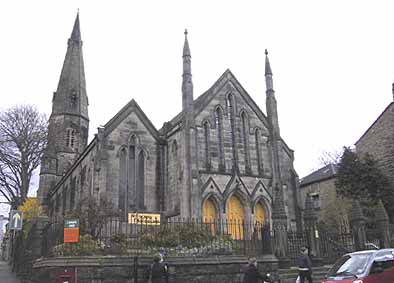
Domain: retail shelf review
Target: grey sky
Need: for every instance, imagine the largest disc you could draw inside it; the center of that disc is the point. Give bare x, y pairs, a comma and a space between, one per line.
333, 61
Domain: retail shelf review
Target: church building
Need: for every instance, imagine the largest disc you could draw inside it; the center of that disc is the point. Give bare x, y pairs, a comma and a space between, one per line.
220, 158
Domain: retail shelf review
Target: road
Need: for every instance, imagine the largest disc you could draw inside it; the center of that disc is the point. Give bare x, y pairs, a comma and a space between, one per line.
5, 273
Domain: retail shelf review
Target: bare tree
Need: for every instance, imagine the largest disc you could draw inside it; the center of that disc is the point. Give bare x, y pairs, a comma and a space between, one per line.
23, 132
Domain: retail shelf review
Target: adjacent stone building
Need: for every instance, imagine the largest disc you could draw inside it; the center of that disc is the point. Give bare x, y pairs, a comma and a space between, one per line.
378, 141
221, 157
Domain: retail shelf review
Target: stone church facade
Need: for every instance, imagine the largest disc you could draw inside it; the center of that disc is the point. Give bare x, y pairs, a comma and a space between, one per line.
220, 158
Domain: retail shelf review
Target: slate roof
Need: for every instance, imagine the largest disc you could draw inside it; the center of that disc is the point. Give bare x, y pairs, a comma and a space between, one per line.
327, 172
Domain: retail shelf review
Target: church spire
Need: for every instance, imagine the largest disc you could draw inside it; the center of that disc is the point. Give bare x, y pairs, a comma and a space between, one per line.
76, 33
268, 73
187, 83
70, 100
71, 96
69, 121
271, 106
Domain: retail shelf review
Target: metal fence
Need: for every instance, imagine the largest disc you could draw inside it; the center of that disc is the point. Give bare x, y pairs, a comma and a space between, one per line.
174, 237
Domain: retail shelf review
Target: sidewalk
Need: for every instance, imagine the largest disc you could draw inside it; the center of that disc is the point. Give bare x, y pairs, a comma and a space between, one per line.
5, 273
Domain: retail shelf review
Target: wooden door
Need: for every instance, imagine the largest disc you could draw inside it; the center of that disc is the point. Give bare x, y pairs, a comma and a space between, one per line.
209, 214
235, 218
259, 219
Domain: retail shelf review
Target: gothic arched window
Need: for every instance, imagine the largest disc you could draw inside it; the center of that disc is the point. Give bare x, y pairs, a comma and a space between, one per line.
258, 152
73, 100
176, 176
207, 145
141, 180
231, 119
245, 139
131, 195
219, 133
131, 178
70, 138
122, 182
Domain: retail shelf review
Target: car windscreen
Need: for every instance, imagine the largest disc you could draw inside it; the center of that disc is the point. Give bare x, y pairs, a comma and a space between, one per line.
350, 265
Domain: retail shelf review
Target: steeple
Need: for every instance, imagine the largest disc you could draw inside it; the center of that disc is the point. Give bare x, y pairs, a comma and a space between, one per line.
268, 74
271, 106
187, 140
70, 96
272, 115
69, 120
76, 33
187, 83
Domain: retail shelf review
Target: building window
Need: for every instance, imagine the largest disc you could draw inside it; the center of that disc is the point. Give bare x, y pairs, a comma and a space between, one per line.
258, 152
141, 181
230, 115
207, 145
173, 200
219, 132
70, 138
57, 203
73, 100
315, 200
72, 193
122, 182
131, 195
131, 178
245, 139
64, 204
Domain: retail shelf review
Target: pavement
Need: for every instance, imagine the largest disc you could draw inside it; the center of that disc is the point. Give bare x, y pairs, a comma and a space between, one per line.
6, 275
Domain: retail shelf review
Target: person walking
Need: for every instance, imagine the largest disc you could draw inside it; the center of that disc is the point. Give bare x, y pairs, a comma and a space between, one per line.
251, 274
304, 266
158, 272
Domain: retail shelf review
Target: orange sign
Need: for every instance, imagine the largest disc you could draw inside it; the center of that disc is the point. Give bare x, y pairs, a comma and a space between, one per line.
71, 231
71, 235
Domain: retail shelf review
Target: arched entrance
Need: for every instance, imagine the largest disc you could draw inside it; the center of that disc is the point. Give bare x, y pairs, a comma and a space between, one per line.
209, 214
235, 217
259, 219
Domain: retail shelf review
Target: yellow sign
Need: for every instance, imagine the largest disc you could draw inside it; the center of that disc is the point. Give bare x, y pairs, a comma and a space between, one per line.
144, 218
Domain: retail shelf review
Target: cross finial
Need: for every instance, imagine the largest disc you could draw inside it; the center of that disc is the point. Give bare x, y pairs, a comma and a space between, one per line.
185, 31
266, 51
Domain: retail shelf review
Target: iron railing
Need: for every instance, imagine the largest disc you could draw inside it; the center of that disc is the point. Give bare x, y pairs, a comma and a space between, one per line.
174, 237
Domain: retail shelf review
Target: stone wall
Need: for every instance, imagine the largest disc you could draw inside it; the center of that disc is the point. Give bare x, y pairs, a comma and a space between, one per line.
106, 269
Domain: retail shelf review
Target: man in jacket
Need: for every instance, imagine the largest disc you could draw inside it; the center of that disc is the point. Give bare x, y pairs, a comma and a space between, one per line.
252, 274
304, 266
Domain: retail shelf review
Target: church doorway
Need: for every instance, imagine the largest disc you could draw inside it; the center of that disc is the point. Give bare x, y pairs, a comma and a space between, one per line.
210, 214
259, 219
235, 218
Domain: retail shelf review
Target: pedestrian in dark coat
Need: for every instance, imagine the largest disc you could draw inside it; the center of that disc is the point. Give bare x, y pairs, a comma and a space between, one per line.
304, 266
252, 274
158, 272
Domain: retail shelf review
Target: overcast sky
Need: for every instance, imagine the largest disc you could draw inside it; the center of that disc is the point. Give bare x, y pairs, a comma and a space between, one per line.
333, 61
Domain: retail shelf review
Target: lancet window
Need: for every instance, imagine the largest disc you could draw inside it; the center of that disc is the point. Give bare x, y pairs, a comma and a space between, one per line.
219, 133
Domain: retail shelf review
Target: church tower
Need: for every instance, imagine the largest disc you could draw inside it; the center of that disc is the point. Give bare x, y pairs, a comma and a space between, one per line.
69, 120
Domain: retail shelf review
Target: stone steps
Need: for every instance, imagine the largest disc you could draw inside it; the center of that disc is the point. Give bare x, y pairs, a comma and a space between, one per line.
289, 275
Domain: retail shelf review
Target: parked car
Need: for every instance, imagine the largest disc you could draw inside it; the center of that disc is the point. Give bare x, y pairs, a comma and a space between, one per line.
370, 266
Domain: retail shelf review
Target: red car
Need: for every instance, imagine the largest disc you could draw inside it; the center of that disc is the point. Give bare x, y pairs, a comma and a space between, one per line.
371, 266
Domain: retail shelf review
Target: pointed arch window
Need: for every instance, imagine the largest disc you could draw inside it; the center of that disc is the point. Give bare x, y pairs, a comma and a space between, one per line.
245, 139
231, 119
122, 182
131, 195
73, 100
207, 145
141, 180
219, 133
70, 138
131, 178
258, 152
176, 176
